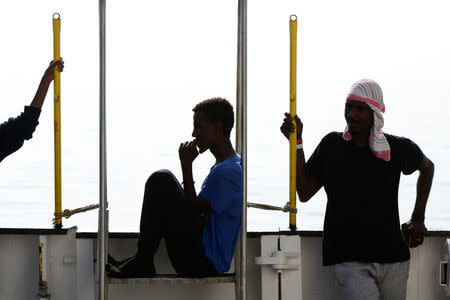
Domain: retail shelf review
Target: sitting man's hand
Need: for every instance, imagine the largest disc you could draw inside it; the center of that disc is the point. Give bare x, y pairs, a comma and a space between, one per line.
414, 231
188, 153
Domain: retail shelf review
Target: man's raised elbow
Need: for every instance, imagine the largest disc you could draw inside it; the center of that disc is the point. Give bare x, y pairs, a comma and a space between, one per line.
431, 169
428, 166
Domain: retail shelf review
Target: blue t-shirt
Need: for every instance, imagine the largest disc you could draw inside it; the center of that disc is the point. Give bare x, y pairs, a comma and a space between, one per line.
222, 188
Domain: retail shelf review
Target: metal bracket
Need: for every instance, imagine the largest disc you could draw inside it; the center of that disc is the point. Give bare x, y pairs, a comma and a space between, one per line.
279, 260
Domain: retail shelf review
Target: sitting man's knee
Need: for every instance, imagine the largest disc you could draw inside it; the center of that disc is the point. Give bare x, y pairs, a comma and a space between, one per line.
160, 176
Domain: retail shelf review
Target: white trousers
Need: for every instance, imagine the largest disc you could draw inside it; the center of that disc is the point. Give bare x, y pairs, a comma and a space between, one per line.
372, 281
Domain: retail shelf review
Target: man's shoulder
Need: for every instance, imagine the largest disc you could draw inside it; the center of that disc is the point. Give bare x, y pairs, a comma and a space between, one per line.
395, 140
229, 167
332, 138
333, 135
401, 147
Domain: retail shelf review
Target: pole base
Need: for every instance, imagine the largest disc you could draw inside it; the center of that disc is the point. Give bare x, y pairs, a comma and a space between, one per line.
58, 226
293, 227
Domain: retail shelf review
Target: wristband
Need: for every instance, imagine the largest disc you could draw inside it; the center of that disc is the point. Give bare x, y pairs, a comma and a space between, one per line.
299, 146
299, 141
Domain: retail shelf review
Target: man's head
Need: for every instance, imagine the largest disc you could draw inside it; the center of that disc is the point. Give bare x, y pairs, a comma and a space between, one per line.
365, 97
213, 121
359, 117
364, 110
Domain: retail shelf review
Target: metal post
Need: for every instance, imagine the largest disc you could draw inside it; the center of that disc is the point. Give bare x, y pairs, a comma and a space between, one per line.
241, 144
102, 212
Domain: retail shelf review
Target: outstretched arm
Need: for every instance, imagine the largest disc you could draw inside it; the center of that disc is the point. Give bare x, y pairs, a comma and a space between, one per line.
16, 130
307, 186
47, 78
414, 229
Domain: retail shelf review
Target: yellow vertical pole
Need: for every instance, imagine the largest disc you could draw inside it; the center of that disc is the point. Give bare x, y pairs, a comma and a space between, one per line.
293, 112
57, 117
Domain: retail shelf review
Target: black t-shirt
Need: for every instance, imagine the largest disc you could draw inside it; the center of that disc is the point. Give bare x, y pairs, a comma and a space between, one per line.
361, 220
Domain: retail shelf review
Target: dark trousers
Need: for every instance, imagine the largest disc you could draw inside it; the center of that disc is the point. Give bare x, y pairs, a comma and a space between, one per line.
166, 214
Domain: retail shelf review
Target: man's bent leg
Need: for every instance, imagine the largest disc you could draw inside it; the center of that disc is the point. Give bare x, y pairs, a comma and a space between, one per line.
162, 208
166, 214
162, 205
357, 281
183, 236
393, 286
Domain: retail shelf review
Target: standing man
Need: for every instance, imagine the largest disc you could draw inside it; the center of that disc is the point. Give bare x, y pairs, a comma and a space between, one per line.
360, 171
201, 230
16, 130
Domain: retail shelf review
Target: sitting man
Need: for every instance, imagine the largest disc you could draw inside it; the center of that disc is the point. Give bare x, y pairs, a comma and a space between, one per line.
360, 171
16, 130
200, 231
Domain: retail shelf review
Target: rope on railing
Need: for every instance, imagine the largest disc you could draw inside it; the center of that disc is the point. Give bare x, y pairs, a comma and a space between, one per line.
67, 213
286, 208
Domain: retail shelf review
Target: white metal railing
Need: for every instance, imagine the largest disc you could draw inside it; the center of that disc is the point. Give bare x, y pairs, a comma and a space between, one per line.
102, 212
241, 145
